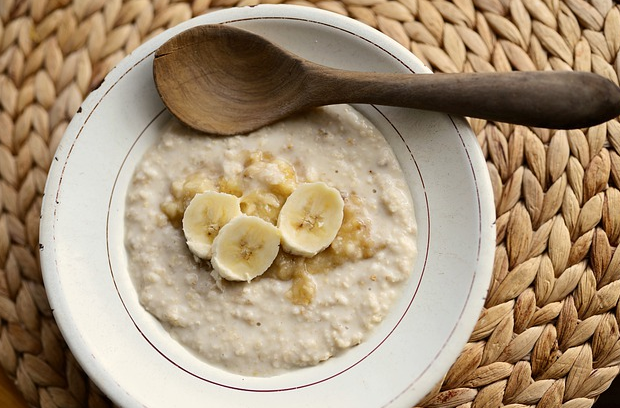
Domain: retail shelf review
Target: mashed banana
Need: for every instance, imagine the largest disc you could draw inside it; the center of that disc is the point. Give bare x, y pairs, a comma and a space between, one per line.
303, 310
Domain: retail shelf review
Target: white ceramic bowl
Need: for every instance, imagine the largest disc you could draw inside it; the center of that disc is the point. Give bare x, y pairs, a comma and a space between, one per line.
127, 352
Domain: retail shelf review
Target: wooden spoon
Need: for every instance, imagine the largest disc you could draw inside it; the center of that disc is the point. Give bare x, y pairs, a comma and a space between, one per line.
224, 80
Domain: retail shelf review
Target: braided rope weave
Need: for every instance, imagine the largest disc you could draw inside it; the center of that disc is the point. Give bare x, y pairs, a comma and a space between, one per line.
548, 336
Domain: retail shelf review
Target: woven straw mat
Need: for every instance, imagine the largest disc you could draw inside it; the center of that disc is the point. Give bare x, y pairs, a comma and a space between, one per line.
548, 336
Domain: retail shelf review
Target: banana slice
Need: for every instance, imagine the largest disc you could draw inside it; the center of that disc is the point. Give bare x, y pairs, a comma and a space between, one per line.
310, 219
245, 248
205, 215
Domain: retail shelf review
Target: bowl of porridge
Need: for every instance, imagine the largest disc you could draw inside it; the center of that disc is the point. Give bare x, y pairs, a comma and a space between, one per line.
339, 257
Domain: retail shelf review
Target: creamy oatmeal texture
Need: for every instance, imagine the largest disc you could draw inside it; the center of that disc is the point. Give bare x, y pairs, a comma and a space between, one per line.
301, 311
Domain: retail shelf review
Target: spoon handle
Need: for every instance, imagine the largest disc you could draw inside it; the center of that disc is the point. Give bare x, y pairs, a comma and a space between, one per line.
560, 100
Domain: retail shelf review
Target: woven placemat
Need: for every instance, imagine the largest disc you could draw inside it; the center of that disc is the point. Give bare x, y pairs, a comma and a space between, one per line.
548, 336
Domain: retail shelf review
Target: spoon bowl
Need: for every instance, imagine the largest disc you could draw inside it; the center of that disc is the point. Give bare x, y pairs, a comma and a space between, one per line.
224, 80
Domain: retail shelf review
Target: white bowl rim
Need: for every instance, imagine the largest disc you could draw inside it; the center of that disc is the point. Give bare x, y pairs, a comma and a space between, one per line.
63, 317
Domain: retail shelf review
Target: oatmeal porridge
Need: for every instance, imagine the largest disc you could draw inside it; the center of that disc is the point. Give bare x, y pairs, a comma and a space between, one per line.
306, 307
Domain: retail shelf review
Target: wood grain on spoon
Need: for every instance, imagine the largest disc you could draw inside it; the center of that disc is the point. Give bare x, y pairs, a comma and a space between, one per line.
224, 80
